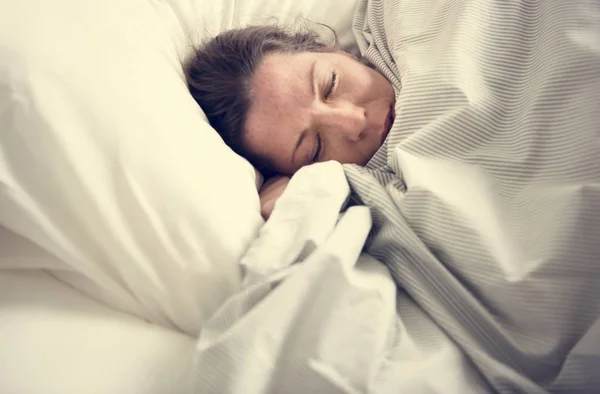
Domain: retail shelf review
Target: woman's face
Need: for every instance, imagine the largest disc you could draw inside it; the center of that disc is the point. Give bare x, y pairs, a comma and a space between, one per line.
309, 107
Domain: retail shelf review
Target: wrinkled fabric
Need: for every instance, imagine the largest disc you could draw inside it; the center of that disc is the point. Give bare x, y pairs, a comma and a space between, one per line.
318, 316
493, 223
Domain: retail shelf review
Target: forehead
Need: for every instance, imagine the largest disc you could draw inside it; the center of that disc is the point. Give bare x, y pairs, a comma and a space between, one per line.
281, 89
282, 77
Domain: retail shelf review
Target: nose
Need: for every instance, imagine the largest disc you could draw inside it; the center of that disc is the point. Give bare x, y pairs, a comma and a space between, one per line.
342, 118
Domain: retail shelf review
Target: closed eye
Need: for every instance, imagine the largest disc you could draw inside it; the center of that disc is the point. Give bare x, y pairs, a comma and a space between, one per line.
317, 153
331, 85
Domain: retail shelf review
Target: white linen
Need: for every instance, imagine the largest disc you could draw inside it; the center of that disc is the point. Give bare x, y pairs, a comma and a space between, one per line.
113, 185
54, 340
108, 166
318, 316
201, 18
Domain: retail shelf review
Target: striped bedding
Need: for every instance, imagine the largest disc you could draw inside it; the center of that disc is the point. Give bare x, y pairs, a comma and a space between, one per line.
316, 315
486, 197
473, 264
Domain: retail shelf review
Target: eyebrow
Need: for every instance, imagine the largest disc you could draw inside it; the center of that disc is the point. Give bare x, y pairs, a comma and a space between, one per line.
313, 91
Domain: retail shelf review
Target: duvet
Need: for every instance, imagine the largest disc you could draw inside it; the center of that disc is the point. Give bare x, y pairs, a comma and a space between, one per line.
472, 261
497, 144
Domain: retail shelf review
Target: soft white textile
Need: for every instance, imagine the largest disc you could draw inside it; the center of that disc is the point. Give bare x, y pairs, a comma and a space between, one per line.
201, 18
109, 166
108, 169
318, 316
54, 340
113, 185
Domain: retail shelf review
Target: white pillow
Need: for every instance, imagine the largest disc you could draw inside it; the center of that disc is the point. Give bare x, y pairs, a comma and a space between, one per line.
201, 18
107, 165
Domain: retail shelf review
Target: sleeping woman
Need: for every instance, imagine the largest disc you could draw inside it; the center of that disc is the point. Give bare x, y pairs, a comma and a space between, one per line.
284, 100
496, 141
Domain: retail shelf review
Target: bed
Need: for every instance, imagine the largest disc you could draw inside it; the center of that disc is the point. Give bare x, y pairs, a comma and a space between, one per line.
133, 256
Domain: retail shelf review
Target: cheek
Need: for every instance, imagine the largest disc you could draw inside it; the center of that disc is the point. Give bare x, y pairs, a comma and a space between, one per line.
371, 85
358, 88
380, 82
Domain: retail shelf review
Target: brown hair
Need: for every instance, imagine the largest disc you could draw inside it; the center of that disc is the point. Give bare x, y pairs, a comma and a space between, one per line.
220, 71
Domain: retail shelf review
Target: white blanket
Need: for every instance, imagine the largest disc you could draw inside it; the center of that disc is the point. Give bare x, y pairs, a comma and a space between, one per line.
317, 316
490, 227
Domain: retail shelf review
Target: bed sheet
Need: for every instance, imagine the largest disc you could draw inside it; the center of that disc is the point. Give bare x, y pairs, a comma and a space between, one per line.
495, 143
316, 315
56, 340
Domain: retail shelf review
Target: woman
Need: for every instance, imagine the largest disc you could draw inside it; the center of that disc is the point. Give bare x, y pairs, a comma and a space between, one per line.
496, 238
284, 100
